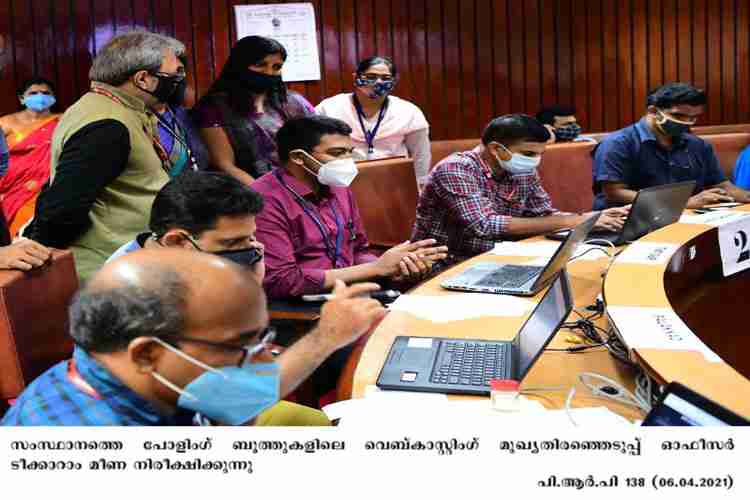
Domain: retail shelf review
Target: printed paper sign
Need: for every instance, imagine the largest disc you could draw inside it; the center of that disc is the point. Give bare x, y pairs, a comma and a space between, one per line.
292, 25
648, 253
657, 328
716, 219
734, 243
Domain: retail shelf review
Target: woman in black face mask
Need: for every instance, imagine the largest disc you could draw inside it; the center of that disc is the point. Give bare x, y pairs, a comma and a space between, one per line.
240, 114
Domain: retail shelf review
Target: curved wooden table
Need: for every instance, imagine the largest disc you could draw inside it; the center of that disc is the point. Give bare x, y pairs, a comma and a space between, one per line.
694, 288
553, 369
712, 306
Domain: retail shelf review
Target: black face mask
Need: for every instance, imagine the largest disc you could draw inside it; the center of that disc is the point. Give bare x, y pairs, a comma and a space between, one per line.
259, 83
671, 127
246, 257
166, 87
177, 98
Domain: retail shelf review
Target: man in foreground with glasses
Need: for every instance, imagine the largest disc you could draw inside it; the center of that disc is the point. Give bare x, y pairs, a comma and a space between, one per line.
660, 149
156, 346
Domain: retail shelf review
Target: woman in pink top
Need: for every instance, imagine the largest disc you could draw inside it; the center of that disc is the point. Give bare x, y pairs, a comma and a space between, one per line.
382, 125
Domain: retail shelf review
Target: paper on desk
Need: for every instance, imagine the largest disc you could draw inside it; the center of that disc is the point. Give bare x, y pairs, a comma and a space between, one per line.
458, 306
544, 250
716, 218
642, 252
386, 412
519, 249
657, 328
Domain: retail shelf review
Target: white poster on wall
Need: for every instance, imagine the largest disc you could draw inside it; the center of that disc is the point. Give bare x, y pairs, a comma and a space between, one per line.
734, 243
292, 25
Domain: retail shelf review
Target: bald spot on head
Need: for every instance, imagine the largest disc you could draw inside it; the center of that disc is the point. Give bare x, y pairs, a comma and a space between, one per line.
220, 295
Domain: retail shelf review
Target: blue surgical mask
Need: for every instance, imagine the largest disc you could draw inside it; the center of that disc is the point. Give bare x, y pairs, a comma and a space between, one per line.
229, 395
518, 164
39, 102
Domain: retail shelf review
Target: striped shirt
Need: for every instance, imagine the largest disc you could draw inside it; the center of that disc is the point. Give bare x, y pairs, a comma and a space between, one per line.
54, 399
467, 207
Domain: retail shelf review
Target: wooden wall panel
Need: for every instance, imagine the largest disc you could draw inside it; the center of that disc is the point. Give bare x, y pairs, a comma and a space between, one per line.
462, 61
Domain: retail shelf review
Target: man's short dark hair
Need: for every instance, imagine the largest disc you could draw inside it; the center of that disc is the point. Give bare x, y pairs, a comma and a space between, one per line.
674, 94
510, 129
194, 201
548, 114
305, 133
106, 321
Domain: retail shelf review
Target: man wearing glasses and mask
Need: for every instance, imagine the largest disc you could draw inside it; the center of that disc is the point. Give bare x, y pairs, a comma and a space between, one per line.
208, 212
660, 149
171, 337
108, 161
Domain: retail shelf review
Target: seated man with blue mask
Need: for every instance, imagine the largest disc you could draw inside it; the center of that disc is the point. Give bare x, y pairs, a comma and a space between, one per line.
174, 337
659, 150
204, 211
473, 199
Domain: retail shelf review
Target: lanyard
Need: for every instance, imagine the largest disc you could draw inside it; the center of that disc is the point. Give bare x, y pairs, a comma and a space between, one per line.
172, 129
369, 134
334, 252
166, 164
75, 378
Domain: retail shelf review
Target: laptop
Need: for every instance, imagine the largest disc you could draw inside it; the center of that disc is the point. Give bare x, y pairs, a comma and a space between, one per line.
680, 406
513, 279
458, 366
653, 208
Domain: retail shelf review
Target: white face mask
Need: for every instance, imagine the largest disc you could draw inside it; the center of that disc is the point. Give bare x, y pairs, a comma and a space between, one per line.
337, 173
518, 164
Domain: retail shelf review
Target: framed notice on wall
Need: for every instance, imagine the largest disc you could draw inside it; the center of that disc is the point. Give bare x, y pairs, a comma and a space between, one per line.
292, 25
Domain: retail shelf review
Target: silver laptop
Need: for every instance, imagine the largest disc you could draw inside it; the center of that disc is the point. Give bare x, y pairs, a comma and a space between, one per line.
513, 279
458, 366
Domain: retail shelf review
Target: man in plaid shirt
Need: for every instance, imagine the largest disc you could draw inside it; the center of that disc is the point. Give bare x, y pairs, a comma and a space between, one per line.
474, 198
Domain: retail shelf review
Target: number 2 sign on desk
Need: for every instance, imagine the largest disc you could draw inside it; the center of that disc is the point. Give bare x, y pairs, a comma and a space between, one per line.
734, 242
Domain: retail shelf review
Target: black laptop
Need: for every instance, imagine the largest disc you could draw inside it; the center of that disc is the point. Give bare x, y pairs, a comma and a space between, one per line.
680, 406
430, 364
653, 208
514, 279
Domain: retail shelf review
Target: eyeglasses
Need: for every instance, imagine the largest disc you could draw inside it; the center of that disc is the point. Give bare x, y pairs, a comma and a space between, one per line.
179, 76
374, 77
687, 119
267, 336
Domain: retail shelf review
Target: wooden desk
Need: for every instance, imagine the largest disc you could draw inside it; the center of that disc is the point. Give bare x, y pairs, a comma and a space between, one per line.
553, 369
711, 305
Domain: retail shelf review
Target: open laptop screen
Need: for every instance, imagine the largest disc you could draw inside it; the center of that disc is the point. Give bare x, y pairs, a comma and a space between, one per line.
536, 332
681, 406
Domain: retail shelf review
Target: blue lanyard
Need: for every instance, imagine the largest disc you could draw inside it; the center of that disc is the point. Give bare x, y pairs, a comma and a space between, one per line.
334, 253
172, 130
369, 134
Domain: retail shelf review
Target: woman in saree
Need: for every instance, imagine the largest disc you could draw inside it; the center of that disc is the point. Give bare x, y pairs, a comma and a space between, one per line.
29, 137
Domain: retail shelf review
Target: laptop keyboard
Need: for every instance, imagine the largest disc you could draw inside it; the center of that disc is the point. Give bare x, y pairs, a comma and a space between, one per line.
509, 276
470, 363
